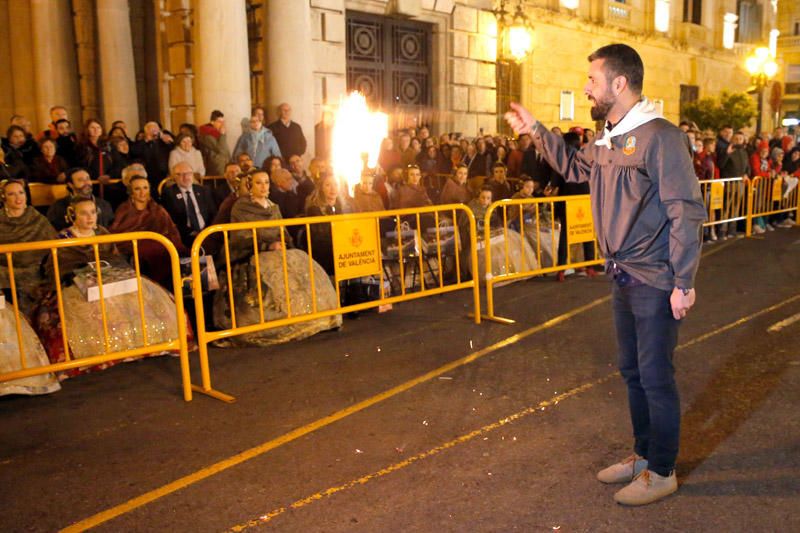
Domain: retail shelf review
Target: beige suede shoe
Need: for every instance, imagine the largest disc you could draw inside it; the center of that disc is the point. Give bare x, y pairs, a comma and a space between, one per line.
624, 471
648, 487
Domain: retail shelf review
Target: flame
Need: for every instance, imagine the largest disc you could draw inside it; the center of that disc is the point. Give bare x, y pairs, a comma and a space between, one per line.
356, 131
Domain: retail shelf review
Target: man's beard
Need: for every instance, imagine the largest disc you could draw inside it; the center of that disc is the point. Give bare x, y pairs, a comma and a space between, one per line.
600, 109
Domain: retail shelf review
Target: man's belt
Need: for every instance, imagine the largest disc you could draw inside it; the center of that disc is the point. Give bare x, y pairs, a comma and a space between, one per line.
622, 278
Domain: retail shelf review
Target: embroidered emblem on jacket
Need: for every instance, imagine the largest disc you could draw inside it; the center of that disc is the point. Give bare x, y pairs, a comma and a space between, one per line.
630, 145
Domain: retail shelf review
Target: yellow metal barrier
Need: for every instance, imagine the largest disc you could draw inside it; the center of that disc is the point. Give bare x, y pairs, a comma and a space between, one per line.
459, 215
179, 343
516, 211
726, 200
767, 197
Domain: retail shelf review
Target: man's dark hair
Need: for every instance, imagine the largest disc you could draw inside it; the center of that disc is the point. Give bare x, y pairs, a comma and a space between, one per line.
70, 172
621, 60
12, 128
62, 120
684, 123
571, 138
216, 114
725, 127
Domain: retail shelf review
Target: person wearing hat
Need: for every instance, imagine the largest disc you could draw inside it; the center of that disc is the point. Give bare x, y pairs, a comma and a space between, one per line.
648, 215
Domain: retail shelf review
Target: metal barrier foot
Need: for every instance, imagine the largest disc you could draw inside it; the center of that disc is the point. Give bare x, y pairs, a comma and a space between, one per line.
498, 319
227, 398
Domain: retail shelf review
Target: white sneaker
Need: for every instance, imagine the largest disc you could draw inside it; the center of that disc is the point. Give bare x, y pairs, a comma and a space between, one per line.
713, 235
758, 230
623, 472
648, 487
770, 227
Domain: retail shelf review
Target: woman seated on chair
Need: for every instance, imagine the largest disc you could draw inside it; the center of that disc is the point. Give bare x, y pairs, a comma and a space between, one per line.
20, 223
273, 246
520, 255
48, 167
366, 198
323, 201
84, 324
541, 234
455, 190
142, 213
411, 193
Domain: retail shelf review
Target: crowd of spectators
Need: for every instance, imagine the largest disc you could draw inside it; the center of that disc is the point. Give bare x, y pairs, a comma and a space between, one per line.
153, 180
733, 154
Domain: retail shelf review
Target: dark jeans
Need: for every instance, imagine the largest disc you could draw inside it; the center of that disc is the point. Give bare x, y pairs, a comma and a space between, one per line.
647, 335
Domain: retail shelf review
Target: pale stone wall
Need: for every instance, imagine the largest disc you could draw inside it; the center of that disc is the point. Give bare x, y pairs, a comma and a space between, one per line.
788, 50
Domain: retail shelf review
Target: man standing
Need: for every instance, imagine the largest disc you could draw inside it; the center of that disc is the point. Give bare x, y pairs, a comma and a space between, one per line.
723, 141
288, 133
153, 151
57, 112
214, 144
648, 215
190, 205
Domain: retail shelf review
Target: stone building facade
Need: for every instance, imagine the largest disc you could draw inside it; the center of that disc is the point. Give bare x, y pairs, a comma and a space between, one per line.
788, 23
424, 61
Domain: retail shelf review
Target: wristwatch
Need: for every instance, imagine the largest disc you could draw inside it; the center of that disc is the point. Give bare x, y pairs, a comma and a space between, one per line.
683, 290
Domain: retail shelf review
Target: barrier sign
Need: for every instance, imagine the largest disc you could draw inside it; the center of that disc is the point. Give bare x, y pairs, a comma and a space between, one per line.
355, 248
580, 227
777, 189
717, 193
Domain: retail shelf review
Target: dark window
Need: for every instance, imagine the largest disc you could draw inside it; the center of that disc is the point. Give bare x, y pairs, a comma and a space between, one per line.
255, 30
689, 93
509, 89
751, 15
389, 61
693, 11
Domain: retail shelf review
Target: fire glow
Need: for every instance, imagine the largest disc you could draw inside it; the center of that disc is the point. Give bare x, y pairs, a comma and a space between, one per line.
357, 132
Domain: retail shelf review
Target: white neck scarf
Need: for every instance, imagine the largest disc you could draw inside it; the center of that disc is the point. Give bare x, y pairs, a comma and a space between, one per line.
643, 112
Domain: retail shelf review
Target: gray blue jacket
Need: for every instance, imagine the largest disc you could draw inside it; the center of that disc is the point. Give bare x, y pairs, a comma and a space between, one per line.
646, 204
259, 145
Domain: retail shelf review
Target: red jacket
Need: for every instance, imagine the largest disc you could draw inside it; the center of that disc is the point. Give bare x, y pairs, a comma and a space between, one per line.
760, 167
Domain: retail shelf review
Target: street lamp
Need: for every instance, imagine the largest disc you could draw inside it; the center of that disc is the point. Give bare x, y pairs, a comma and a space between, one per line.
515, 39
762, 68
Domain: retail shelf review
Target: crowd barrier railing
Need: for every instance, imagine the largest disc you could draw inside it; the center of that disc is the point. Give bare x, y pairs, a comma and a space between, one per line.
178, 343
771, 196
726, 200
534, 220
385, 245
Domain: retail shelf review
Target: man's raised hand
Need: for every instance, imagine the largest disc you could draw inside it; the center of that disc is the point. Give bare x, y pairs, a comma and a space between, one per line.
520, 119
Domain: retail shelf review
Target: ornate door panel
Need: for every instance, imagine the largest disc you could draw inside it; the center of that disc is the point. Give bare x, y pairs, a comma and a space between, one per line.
389, 61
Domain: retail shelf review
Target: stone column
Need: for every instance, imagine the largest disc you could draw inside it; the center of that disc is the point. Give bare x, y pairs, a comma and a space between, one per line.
20, 47
54, 61
85, 24
7, 89
222, 73
289, 54
117, 70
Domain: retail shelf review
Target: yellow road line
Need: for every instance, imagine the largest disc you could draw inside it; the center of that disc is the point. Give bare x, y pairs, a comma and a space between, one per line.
719, 248
263, 448
256, 451
541, 406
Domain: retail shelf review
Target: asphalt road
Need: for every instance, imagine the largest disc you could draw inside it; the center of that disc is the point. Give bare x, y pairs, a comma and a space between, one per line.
364, 430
